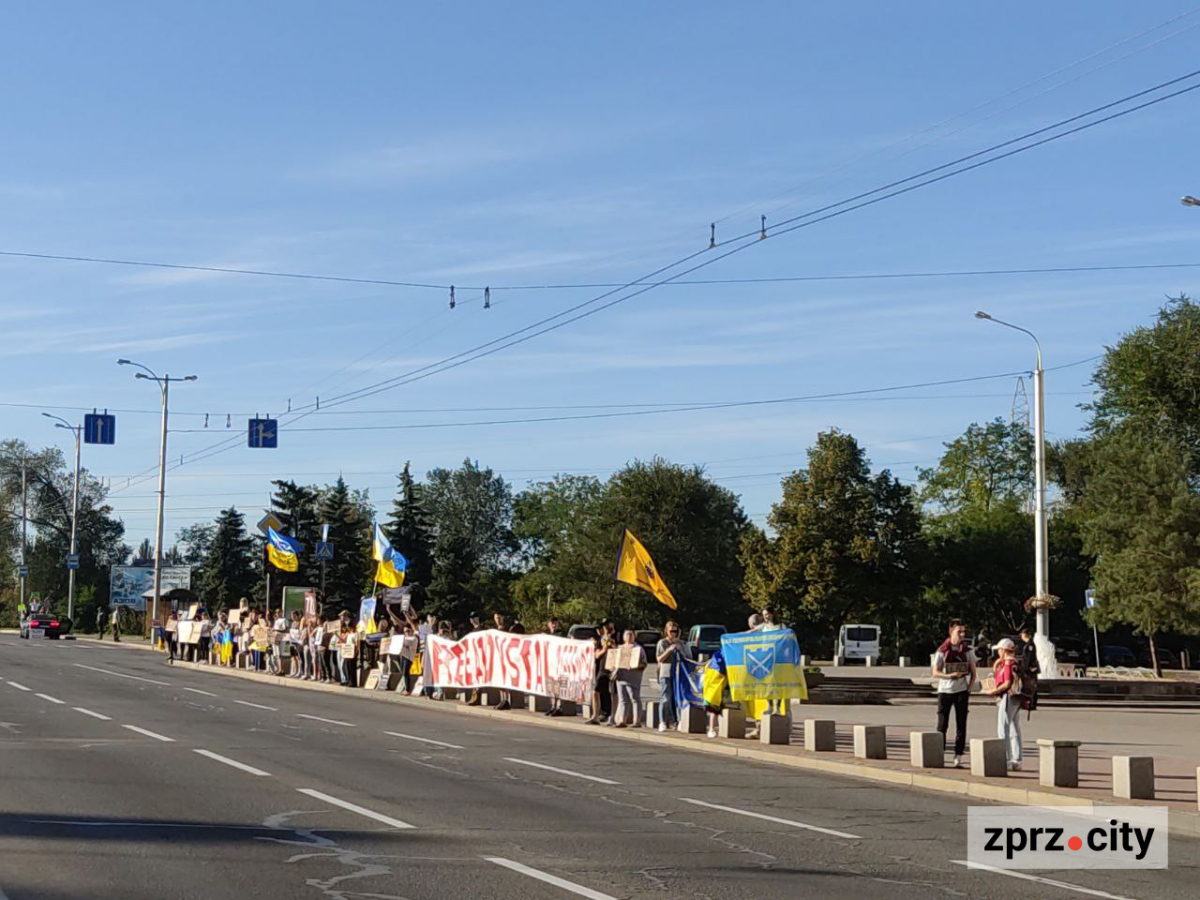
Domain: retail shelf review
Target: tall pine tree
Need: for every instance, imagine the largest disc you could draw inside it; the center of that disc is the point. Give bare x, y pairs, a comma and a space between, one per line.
411, 533
229, 571
350, 531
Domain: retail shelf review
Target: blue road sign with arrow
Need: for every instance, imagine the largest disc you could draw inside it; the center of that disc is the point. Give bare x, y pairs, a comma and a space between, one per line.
99, 428
264, 433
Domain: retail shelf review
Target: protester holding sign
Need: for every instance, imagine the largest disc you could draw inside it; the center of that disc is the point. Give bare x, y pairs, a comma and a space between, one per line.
670, 653
628, 662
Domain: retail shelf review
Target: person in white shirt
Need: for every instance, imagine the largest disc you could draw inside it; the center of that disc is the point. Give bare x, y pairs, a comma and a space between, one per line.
954, 671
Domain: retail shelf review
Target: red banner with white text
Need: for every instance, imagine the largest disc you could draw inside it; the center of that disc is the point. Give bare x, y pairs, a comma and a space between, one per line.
532, 663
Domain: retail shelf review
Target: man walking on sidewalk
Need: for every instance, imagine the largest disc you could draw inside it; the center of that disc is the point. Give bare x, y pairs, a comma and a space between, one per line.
954, 670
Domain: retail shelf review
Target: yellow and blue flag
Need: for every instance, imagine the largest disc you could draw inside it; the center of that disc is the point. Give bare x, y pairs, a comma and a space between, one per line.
764, 665
283, 551
366, 615
391, 562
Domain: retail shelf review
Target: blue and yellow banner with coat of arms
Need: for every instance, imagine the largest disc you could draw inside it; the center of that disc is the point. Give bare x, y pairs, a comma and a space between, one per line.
764, 665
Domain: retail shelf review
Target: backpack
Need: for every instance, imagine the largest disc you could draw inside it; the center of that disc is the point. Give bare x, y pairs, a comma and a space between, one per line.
1024, 686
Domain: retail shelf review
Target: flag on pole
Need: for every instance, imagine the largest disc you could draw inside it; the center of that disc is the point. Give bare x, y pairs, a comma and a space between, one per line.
634, 566
391, 562
283, 551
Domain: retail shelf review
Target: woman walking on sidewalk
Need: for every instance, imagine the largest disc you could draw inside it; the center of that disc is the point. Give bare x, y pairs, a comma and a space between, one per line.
1008, 703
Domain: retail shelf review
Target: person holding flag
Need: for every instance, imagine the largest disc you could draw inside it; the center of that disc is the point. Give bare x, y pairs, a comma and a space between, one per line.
282, 551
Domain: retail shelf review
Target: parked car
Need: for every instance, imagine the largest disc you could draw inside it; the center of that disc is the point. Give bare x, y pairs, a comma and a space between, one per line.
1113, 655
1167, 659
648, 638
858, 643
705, 639
1071, 650
582, 632
44, 625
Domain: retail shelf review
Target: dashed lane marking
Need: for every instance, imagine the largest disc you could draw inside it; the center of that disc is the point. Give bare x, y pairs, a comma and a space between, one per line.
754, 815
51, 699
526, 762
94, 715
234, 763
152, 734
550, 879
425, 740
330, 721
122, 674
354, 808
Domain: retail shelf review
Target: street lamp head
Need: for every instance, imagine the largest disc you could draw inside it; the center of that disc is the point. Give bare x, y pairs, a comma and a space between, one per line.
1189, 200
142, 375
48, 416
980, 314
122, 362
190, 378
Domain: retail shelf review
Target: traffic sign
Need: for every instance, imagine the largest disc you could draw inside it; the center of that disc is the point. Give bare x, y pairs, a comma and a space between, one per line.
264, 433
72, 560
269, 521
1089, 597
99, 428
324, 550
22, 571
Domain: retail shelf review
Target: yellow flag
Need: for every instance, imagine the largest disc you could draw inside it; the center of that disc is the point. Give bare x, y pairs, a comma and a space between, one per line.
634, 566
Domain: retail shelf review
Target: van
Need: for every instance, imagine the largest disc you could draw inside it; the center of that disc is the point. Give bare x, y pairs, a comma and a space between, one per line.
705, 640
858, 642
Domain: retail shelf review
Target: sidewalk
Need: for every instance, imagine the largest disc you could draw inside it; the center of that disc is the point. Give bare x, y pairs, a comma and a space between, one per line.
1173, 744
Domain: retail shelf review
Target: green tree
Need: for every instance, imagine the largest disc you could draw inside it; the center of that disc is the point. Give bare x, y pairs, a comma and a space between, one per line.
229, 572
470, 509
410, 532
296, 506
989, 464
846, 544
195, 541
1143, 527
349, 518
1151, 380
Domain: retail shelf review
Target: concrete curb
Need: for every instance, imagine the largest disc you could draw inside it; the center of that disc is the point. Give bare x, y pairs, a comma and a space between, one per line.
1181, 822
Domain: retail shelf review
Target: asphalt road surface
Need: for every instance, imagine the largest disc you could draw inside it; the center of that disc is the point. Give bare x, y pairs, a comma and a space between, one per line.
122, 777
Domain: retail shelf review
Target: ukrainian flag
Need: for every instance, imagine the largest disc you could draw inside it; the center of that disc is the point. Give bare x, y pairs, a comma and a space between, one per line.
392, 564
634, 566
283, 551
764, 665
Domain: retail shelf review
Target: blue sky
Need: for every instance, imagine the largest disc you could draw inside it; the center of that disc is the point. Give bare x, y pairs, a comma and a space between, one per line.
524, 144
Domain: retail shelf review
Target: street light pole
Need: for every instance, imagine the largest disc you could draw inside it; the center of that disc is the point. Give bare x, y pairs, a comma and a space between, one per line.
164, 385
1041, 571
77, 430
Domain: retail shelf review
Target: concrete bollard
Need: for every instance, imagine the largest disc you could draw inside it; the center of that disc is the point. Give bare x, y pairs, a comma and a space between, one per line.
569, 708
820, 735
774, 728
839, 660
989, 758
905, 662
803, 660
1133, 777
537, 703
733, 723
1058, 763
870, 661
691, 720
870, 742
927, 749
653, 713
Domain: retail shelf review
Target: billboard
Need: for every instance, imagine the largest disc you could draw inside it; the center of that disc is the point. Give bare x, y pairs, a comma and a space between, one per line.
128, 583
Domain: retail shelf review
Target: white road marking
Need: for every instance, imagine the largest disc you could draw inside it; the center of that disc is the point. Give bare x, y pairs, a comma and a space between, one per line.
550, 879
94, 715
19, 687
362, 811
754, 815
48, 697
525, 762
122, 675
330, 721
148, 733
1065, 885
256, 705
198, 691
423, 740
233, 762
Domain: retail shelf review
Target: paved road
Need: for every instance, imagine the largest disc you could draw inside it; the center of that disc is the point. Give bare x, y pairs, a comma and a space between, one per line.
123, 777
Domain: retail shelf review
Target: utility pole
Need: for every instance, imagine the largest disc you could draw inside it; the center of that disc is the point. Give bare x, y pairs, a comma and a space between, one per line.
24, 526
164, 384
77, 430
